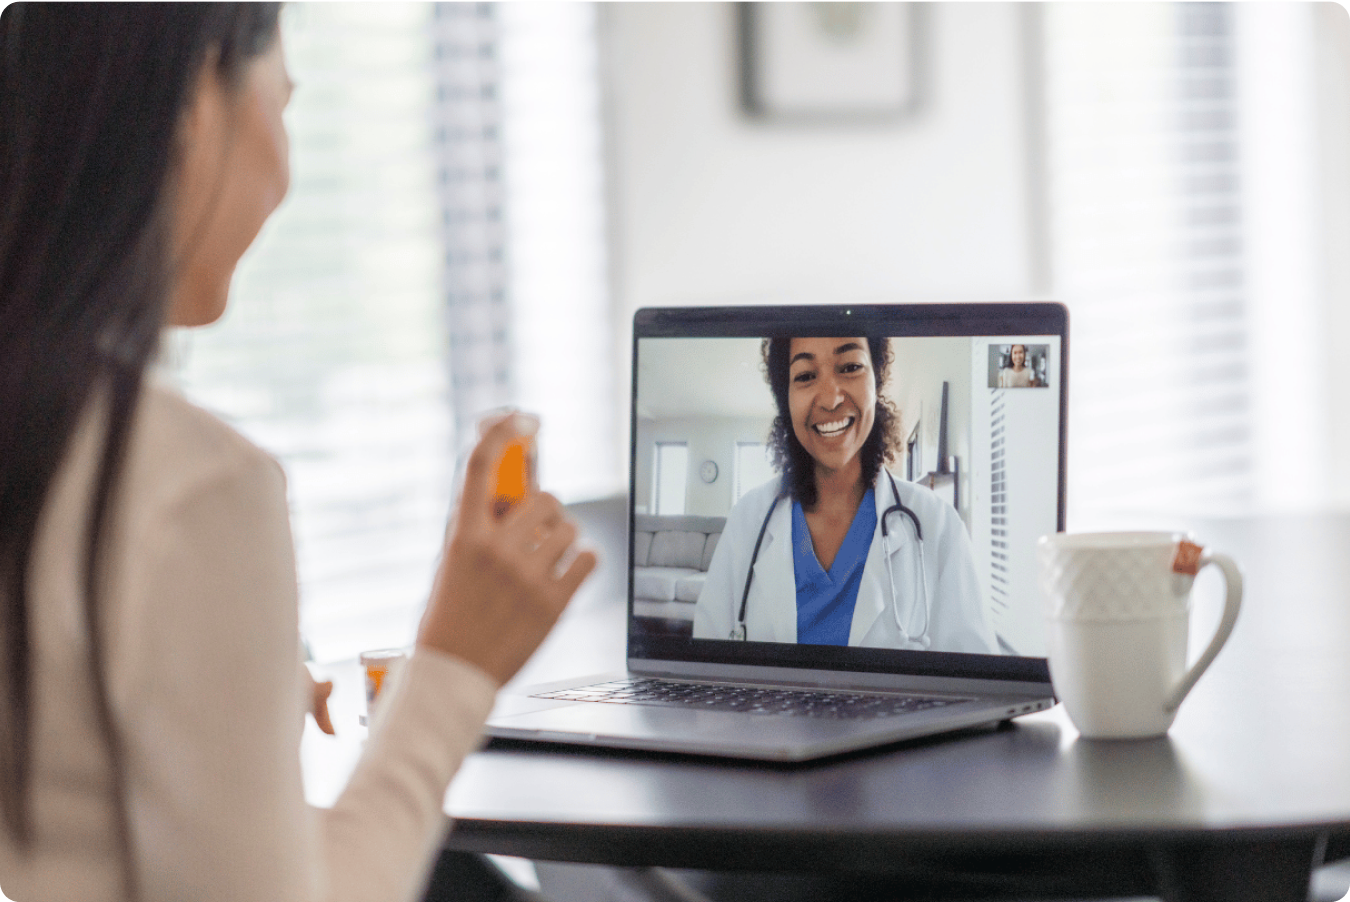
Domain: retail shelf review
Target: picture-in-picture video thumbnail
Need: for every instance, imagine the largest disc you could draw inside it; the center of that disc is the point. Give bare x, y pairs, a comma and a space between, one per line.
1019, 365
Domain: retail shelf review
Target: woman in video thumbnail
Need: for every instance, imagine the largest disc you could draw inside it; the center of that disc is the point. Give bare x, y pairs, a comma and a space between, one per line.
1018, 375
837, 551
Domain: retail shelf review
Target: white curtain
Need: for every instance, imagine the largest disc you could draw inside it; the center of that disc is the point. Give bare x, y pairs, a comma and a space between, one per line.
1147, 235
440, 254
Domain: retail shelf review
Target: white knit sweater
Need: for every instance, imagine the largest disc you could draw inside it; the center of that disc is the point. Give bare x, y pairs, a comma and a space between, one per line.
201, 619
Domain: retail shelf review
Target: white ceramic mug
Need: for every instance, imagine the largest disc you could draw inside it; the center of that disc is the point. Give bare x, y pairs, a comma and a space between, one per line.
1118, 620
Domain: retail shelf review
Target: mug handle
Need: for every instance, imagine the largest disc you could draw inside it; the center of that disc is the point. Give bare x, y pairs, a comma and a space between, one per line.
1232, 578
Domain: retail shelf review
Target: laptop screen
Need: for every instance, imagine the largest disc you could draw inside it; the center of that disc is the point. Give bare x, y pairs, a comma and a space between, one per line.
846, 487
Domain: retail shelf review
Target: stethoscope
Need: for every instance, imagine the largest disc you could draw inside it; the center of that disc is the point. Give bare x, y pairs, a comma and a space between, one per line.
920, 636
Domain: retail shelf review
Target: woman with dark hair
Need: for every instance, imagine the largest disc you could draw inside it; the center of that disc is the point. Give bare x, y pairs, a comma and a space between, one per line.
1017, 374
836, 550
151, 688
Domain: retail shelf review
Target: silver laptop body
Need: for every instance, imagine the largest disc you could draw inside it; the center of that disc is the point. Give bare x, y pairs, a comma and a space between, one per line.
945, 627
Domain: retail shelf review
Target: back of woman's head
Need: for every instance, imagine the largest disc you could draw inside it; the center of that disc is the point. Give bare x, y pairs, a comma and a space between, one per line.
93, 94
91, 97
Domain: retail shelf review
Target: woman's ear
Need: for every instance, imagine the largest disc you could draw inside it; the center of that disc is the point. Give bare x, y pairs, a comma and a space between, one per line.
205, 97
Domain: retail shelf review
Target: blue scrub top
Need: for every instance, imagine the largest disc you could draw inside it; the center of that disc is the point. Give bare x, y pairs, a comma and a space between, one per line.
825, 599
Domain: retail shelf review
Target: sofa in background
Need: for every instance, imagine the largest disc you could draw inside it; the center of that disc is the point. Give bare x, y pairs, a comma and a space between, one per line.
670, 561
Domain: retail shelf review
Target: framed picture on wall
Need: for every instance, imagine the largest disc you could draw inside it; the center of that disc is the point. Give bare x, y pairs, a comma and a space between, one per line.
828, 61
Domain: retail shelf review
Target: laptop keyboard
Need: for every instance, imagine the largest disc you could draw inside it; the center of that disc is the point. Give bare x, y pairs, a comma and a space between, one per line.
750, 699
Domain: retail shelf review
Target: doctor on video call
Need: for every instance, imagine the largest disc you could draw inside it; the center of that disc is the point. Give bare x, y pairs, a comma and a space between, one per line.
836, 550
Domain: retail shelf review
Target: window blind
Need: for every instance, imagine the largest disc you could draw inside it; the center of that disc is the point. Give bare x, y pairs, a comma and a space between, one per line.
519, 136
1146, 230
440, 253
671, 485
753, 467
470, 179
564, 338
331, 355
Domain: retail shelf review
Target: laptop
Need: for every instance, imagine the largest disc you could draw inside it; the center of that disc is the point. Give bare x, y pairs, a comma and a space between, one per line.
757, 626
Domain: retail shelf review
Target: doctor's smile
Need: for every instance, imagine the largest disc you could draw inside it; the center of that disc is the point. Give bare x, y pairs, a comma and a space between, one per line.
831, 430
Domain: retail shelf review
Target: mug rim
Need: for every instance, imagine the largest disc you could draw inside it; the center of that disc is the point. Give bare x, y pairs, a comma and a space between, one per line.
1116, 539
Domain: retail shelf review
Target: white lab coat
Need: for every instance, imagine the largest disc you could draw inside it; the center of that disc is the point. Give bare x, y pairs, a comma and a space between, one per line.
956, 618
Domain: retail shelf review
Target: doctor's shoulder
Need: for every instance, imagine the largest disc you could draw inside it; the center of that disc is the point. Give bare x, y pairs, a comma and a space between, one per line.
754, 504
928, 506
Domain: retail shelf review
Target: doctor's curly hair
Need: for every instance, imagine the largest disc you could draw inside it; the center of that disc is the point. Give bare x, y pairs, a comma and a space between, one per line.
789, 457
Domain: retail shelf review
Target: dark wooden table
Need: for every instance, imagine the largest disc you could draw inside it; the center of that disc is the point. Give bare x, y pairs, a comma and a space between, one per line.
1246, 795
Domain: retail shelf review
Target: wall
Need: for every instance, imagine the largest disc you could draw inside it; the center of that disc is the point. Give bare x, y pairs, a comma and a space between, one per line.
713, 206
1289, 186
709, 438
708, 206
1331, 28
1294, 68
918, 369
1013, 472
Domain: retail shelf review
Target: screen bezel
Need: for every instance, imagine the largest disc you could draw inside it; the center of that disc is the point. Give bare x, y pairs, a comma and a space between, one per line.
891, 320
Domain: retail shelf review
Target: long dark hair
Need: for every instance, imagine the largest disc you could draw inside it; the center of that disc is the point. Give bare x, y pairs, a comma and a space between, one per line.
789, 457
91, 96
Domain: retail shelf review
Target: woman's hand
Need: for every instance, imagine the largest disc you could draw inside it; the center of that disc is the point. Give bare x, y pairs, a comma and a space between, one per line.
318, 694
502, 583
